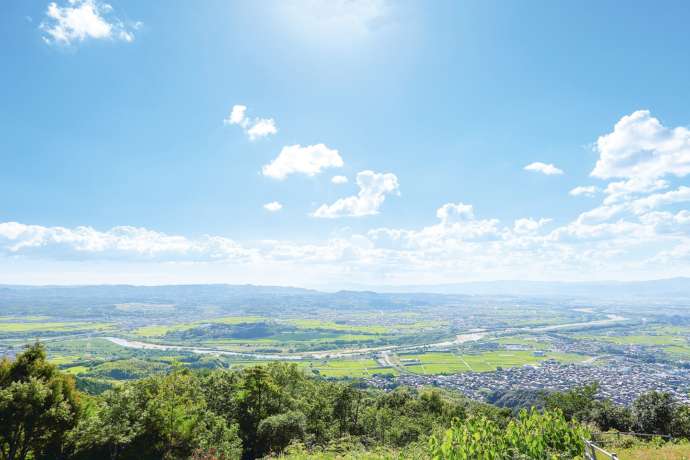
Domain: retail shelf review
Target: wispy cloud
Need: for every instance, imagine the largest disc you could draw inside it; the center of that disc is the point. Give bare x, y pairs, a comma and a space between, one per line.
584, 190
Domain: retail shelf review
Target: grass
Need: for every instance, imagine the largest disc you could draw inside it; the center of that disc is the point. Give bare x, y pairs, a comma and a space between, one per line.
162, 329
649, 340
81, 348
24, 318
532, 343
63, 359
678, 351
446, 362
331, 326
50, 326
76, 370
355, 368
665, 452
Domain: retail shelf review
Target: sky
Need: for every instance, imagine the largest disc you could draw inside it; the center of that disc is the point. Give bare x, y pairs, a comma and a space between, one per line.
343, 143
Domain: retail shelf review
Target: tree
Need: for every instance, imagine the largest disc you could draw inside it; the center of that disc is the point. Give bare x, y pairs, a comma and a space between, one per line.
38, 405
577, 403
653, 412
277, 431
610, 416
257, 398
680, 426
162, 417
347, 408
111, 424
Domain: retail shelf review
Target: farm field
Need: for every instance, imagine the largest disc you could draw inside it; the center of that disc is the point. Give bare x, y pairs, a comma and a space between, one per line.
638, 339
442, 363
357, 338
15, 326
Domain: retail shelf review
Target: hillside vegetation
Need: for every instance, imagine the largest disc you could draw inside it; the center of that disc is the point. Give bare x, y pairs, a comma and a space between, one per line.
276, 409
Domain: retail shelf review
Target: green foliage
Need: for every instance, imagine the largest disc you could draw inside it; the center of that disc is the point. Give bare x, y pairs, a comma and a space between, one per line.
680, 426
654, 412
276, 432
38, 405
275, 408
162, 417
532, 435
577, 403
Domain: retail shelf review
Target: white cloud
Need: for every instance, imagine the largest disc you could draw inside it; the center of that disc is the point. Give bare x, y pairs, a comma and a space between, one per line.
455, 212
309, 160
640, 146
638, 230
529, 225
237, 115
625, 190
261, 128
338, 180
648, 203
118, 243
589, 190
373, 188
544, 168
273, 206
82, 19
254, 128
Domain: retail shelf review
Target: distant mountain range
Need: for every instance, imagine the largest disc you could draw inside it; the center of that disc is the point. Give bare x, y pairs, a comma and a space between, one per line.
670, 287
363, 295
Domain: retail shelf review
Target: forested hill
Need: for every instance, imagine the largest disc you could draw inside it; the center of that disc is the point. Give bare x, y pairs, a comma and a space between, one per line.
275, 409
222, 295
379, 296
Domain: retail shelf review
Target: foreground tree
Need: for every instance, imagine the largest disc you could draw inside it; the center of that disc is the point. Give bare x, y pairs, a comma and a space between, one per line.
653, 412
38, 406
161, 417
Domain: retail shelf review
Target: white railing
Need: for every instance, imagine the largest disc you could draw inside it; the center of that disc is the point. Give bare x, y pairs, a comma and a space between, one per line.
594, 452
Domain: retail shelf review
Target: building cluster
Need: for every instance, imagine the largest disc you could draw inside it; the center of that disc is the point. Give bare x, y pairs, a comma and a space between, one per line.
620, 380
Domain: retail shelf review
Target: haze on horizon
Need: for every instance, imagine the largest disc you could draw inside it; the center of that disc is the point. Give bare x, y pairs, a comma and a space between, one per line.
336, 143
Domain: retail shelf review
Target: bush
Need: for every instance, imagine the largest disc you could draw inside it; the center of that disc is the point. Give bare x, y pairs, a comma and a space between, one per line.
532, 435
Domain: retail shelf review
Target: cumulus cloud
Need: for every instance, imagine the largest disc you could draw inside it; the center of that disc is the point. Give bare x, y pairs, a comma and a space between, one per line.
648, 203
457, 230
544, 168
309, 160
584, 190
254, 128
455, 212
338, 180
639, 229
627, 189
640, 146
529, 225
273, 206
81, 19
373, 188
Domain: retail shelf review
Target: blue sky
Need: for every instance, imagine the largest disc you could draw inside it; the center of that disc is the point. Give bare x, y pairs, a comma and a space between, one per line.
121, 162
